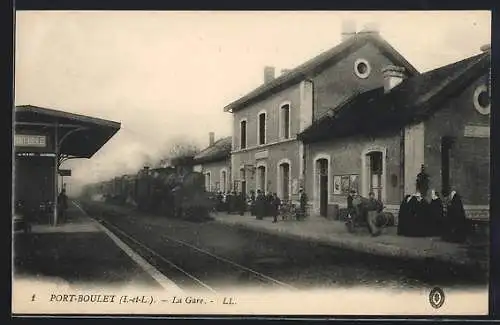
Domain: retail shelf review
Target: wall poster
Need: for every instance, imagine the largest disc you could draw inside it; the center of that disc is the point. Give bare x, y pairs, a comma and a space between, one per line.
337, 185
345, 184
354, 183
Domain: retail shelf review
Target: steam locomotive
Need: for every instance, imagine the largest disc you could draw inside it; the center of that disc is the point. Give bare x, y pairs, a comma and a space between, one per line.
167, 191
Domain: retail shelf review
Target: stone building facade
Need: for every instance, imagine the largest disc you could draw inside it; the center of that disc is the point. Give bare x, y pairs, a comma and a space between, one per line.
379, 140
266, 153
214, 163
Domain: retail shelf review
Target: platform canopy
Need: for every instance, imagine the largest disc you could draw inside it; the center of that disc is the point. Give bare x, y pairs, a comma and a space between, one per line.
85, 134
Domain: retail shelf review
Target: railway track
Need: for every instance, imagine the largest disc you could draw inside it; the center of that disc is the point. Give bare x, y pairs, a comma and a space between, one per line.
188, 266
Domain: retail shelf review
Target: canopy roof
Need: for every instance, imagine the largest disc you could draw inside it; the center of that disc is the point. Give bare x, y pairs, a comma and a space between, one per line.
92, 132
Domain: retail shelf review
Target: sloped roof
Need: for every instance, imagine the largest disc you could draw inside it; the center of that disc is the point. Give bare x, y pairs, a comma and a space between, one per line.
220, 150
94, 133
319, 63
414, 100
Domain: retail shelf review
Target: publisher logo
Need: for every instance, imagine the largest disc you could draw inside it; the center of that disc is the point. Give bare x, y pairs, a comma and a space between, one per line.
436, 297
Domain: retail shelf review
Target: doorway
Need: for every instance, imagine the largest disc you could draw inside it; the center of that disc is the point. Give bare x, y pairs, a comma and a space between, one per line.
322, 168
261, 178
284, 185
223, 181
446, 144
375, 163
243, 181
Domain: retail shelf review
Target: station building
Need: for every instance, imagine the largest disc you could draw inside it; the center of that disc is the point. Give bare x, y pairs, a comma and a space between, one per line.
214, 162
266, 152
378, 140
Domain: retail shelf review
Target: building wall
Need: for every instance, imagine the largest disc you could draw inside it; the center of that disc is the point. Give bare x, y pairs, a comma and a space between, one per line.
271, 157
216, 181
34, 180
339, 82
277, 149
469, 156
414, 155
346, 158
33, 171
308, 100
271, 105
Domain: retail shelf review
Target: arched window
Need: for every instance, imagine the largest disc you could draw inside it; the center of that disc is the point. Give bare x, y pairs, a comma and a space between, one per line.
243, 180
322, 183
223, 180
284, 183
262, 177
374, 173
285, 121
243, 134
261, 128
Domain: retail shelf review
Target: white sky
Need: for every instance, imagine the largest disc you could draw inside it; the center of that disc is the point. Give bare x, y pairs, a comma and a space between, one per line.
167, 75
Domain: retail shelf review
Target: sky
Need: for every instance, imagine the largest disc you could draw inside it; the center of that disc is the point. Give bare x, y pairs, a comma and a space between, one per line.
166, 76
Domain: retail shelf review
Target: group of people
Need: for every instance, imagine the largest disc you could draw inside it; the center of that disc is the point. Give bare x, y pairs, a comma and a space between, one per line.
231, 202
362, 211
426, 213
259, 204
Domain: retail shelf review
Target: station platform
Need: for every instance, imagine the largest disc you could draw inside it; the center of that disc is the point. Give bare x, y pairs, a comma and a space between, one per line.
76, 253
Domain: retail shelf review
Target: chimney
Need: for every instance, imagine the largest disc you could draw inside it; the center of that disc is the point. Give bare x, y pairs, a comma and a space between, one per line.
268, 74
211, 139
348, 29
393, 76
486, 48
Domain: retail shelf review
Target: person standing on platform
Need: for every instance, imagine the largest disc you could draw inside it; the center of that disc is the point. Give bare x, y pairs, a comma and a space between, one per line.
242, 203
260, 205
275, 206
456, 222
303, 203
62, 204
373, 209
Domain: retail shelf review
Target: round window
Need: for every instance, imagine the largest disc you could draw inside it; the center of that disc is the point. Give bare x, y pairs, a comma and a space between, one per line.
362, 68
482, 100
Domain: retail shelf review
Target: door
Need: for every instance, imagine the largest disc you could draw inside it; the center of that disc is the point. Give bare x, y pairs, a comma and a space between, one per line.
261, 180
285, 181
323, 198
323, 187
445, 165
244, 187
376, 173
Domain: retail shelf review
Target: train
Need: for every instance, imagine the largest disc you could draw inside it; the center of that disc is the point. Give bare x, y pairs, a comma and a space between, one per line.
168, 191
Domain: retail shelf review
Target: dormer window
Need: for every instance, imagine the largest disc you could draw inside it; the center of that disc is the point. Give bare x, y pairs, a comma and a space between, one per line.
482, 100
285, 121
261, 131
362, 68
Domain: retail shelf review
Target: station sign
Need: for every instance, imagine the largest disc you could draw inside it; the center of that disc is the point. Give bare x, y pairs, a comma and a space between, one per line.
475, 131
29, 140
263, 154
64, 172
35, 154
